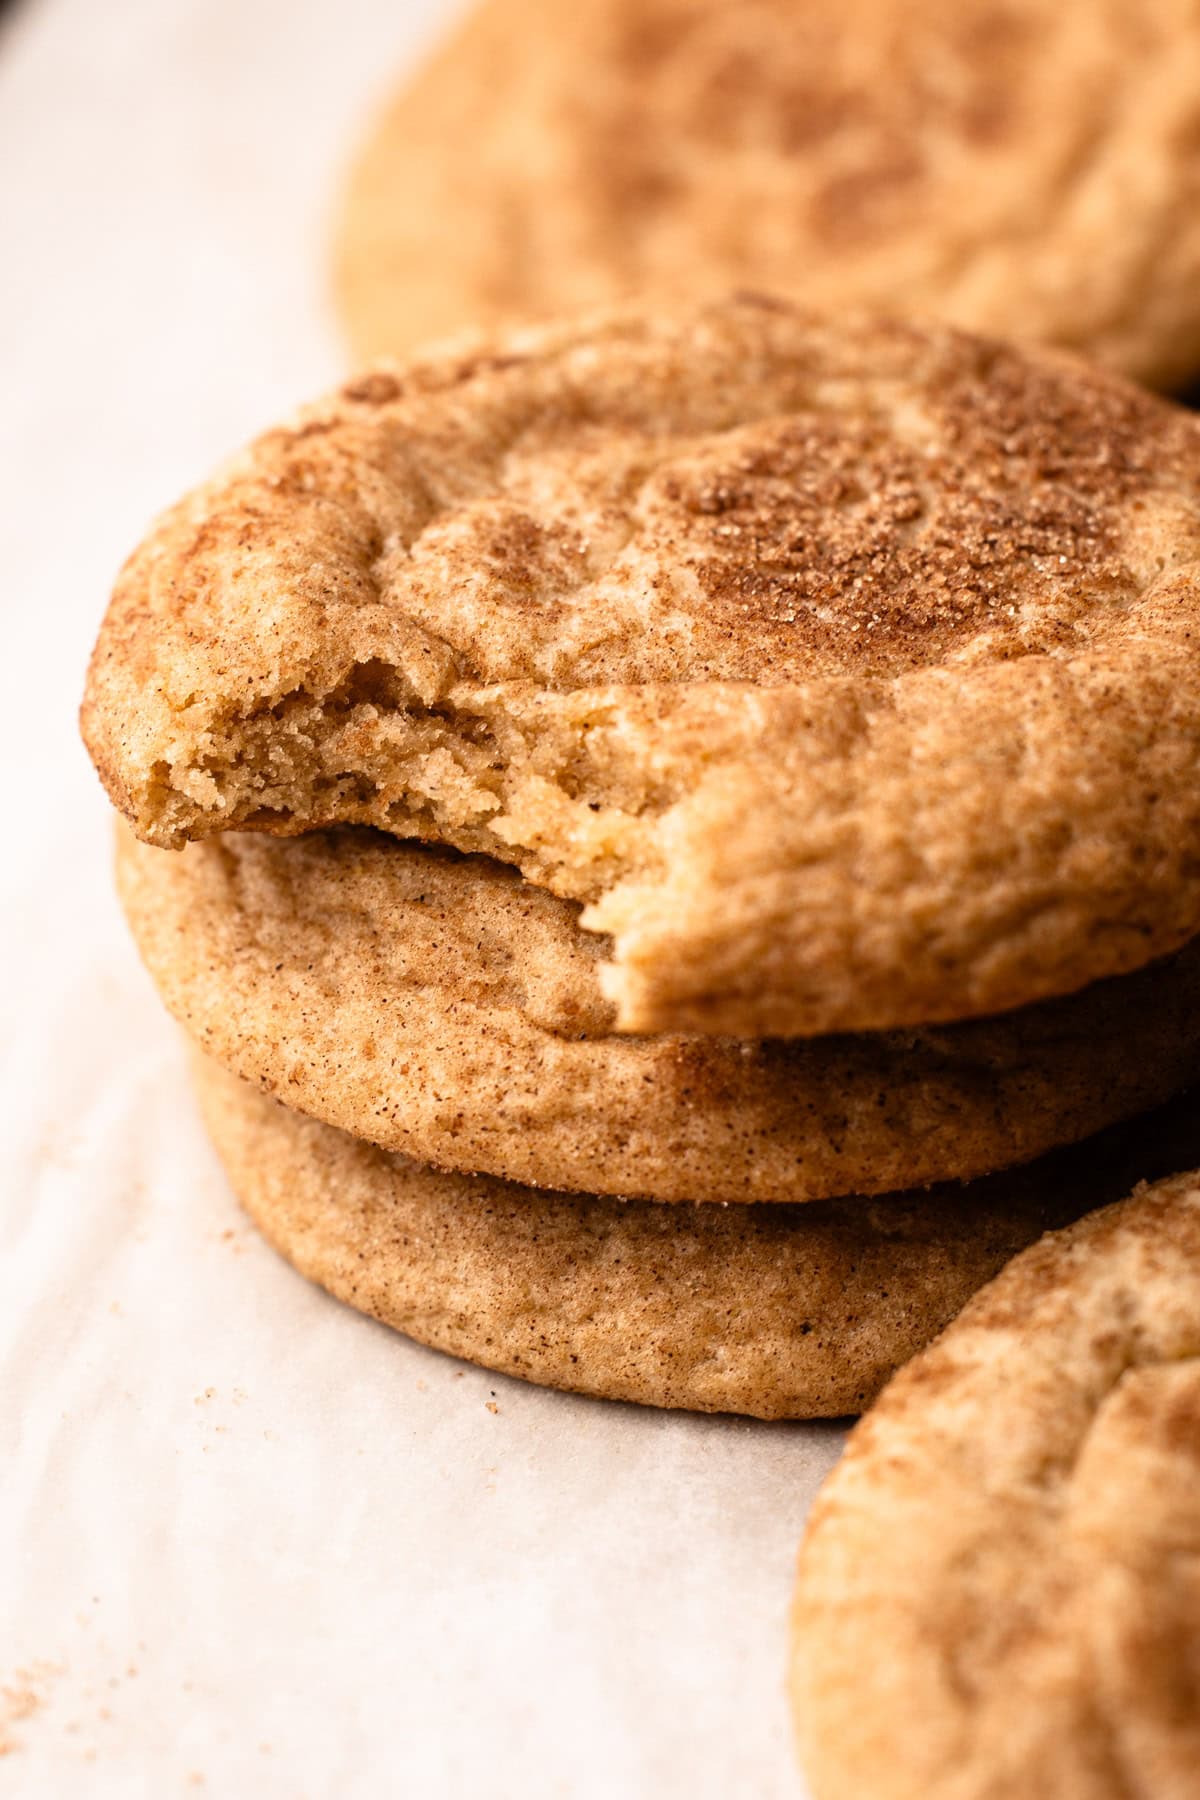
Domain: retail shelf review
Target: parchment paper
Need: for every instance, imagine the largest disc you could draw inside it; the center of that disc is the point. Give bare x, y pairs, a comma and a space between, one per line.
249, 1542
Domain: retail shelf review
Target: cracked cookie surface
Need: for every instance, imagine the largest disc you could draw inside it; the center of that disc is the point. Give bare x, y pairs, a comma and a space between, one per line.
779, 1312
846, 672
1018, 167
1018, 1522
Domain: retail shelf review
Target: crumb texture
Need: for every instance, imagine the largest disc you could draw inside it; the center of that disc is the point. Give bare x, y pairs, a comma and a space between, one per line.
441, 1006
779, 1312
1018, 1520
847, 676
1015, 166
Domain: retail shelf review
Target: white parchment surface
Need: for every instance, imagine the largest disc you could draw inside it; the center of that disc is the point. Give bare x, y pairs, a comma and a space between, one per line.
250, 1543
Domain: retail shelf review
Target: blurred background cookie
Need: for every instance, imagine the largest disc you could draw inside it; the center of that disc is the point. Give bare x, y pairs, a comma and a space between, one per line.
1017, 166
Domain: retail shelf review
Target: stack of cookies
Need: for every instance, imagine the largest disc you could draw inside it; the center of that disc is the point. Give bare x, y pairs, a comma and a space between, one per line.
667, 827
675, 832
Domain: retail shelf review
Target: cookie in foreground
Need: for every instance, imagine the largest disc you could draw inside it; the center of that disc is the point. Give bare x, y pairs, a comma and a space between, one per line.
999, 1590
844, 671
1030, 170
777, 1312
440, 1006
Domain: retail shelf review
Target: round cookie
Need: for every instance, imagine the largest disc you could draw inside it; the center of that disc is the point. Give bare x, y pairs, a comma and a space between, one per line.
790, 1312
999, 1591
846, 671
443, 1007
1028, 169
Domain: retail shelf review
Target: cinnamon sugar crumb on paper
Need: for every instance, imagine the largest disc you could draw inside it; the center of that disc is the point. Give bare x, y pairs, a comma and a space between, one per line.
23, 1695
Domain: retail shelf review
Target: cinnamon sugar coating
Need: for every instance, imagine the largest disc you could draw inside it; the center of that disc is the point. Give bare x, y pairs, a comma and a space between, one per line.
846, 672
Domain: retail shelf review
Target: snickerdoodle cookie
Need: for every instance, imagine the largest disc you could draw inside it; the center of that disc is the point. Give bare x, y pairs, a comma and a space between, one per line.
443, 1007
782, 1312
999, 1592
846, 671
1021, 167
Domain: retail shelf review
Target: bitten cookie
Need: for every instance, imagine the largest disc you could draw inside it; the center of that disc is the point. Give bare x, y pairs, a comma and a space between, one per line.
781, 1312
1028, 169
845, 671
441, 1006
999, 1591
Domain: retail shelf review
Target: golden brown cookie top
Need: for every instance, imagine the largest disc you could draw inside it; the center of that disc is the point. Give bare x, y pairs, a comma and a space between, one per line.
1018, 1521
897, 498
613, 599
1018, 167
740, 494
